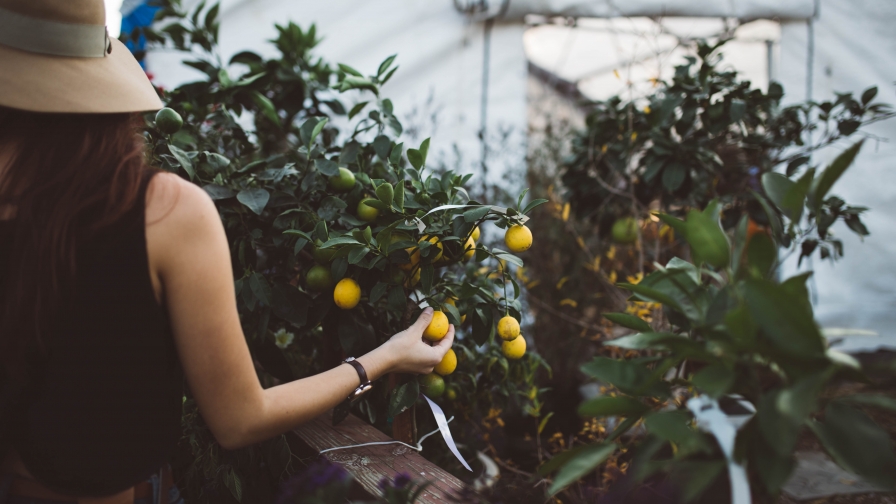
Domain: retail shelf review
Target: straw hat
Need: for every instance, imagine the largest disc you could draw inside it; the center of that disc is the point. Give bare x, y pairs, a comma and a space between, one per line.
56, 56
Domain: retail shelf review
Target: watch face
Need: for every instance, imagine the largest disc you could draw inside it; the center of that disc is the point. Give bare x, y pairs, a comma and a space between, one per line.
361, 390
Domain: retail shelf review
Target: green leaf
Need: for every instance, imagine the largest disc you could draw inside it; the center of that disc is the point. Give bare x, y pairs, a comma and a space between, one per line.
378, 291
707, 240
648, 294
873, 400
326, 167
318, 128
427, 274
677, 225
474, 214
424, 150
630, 377
643, 341
217, 192
357, 109
784, 321
349, 70
395, 156
403, 397
385, 64
254, 199
183, 159
416, 158
673, 176
776, 187
612, 406
675, 426
857, 443
398, 199
629, 321
580, 464
340, 240
266, 106
832, 173
260, 288
714, 380
386, 193
869, 95
696, 477
762, 254
357, 254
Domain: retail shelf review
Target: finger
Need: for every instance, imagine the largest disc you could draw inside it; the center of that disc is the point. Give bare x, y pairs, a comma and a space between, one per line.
445, 343
424, 319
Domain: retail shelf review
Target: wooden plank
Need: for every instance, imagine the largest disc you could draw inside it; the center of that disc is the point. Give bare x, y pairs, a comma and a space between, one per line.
370, 464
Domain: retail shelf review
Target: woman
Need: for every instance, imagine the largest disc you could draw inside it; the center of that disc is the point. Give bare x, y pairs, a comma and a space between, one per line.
114, 277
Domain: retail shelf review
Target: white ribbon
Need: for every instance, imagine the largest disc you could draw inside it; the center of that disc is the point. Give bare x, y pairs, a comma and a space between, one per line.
446, 432
712, 419
422, 227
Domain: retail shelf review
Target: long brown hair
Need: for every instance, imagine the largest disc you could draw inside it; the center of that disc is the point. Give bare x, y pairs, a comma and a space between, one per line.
70, 176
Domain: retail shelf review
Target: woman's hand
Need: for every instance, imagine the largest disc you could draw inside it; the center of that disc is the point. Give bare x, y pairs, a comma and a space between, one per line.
409, 353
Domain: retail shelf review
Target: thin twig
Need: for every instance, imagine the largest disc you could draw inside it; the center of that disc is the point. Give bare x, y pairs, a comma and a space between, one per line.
571, 320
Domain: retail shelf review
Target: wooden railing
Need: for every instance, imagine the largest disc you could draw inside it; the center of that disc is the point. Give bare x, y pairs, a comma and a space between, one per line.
370, 464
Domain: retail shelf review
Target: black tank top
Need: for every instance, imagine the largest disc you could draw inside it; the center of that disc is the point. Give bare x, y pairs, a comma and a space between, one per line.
102, 412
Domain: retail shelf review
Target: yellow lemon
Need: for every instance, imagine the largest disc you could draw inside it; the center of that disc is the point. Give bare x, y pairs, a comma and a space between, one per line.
437, 328
518, 238
470, 249
475, 234
347, 294
514, 349
450, 393
508, 328
435, 241
414, 280
451, 300
448, 364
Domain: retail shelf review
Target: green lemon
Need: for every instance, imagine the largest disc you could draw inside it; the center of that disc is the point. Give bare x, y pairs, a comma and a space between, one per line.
625, 230
432, 384
319, 278
343, 181
366, 212
323, 256
168, 121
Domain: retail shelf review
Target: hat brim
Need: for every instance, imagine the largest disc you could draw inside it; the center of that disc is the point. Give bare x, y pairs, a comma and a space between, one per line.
41, 83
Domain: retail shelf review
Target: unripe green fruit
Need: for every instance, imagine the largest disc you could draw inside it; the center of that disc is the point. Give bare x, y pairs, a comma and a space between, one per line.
625, 230
343, 181
168, 121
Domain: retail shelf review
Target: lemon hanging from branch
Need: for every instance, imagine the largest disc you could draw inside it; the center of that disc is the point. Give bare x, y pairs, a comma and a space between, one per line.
508, 328
518, 238
514, 349
347, 294
448, 364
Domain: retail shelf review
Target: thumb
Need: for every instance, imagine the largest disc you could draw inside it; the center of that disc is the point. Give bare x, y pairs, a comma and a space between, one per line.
424, 319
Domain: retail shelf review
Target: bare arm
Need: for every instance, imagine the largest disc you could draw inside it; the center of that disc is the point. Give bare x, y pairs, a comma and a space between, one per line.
190, 263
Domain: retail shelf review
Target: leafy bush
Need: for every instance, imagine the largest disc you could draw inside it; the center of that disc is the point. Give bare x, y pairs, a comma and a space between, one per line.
306, 204
734, 330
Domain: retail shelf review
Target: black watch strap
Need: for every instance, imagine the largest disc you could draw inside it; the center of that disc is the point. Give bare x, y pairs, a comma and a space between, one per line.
362, 373
342, 410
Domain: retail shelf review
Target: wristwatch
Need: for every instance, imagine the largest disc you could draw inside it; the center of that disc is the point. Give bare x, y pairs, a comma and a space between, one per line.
362, 374
342, 410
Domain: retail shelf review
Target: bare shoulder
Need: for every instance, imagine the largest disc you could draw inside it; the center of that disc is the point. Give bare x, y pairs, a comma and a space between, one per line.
174, 204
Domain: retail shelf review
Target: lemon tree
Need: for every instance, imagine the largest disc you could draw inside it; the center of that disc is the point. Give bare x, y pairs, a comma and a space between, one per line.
339, 235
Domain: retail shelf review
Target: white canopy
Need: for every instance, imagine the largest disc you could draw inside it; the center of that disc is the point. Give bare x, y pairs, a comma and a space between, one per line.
849, 45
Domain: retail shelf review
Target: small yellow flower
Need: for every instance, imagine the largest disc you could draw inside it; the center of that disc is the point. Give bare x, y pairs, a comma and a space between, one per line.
611, 254
568, 302
647, 110
616, 73
612, 277
635, 279
566, 212
561, 282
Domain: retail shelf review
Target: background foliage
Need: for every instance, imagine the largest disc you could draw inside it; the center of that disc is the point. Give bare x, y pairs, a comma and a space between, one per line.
732, 162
